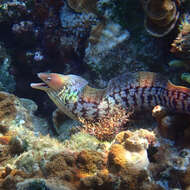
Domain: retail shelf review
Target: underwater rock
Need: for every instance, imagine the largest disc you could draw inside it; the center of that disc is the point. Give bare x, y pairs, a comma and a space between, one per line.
126, 53
171, 127
160, 16
7, 82
17, 145
169, 165
109, 36
13, 113
41, 184
181, 45
58, 118
83, 141
11, 178
92, 181
75, 28
63, 125
8, 108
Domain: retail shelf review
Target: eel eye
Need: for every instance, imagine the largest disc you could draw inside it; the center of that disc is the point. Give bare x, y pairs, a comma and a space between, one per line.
48, 79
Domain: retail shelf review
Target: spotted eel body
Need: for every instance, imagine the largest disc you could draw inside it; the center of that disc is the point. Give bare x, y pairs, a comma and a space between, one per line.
140, 91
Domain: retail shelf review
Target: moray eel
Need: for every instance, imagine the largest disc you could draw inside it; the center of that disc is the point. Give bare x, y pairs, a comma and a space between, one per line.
140, 91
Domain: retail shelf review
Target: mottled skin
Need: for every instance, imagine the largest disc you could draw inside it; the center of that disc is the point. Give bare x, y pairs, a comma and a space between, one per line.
140, 91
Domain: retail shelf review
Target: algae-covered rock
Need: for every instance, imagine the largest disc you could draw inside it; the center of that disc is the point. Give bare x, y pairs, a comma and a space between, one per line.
7, 82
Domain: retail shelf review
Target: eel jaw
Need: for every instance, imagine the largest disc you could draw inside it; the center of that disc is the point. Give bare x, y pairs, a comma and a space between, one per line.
40, 86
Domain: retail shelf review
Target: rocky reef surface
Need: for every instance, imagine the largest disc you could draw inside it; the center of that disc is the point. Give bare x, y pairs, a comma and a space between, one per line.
147, 155
40, 149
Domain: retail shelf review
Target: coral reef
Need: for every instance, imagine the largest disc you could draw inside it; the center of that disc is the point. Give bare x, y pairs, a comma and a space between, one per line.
134, 159
98, 40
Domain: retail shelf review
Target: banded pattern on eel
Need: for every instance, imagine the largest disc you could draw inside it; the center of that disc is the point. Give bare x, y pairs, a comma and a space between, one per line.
140, 91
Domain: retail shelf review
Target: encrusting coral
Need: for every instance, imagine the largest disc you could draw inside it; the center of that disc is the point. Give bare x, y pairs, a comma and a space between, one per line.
129, 152
160, 16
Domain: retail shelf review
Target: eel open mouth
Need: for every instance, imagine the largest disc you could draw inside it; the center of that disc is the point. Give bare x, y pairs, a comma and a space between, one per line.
40, 86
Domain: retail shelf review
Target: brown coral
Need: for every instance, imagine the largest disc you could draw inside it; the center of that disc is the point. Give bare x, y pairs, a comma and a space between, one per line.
161, 16
72, 168
89, 161
58, 164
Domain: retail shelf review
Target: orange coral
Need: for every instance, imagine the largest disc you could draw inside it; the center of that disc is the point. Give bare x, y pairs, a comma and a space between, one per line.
117, 160
129, 154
